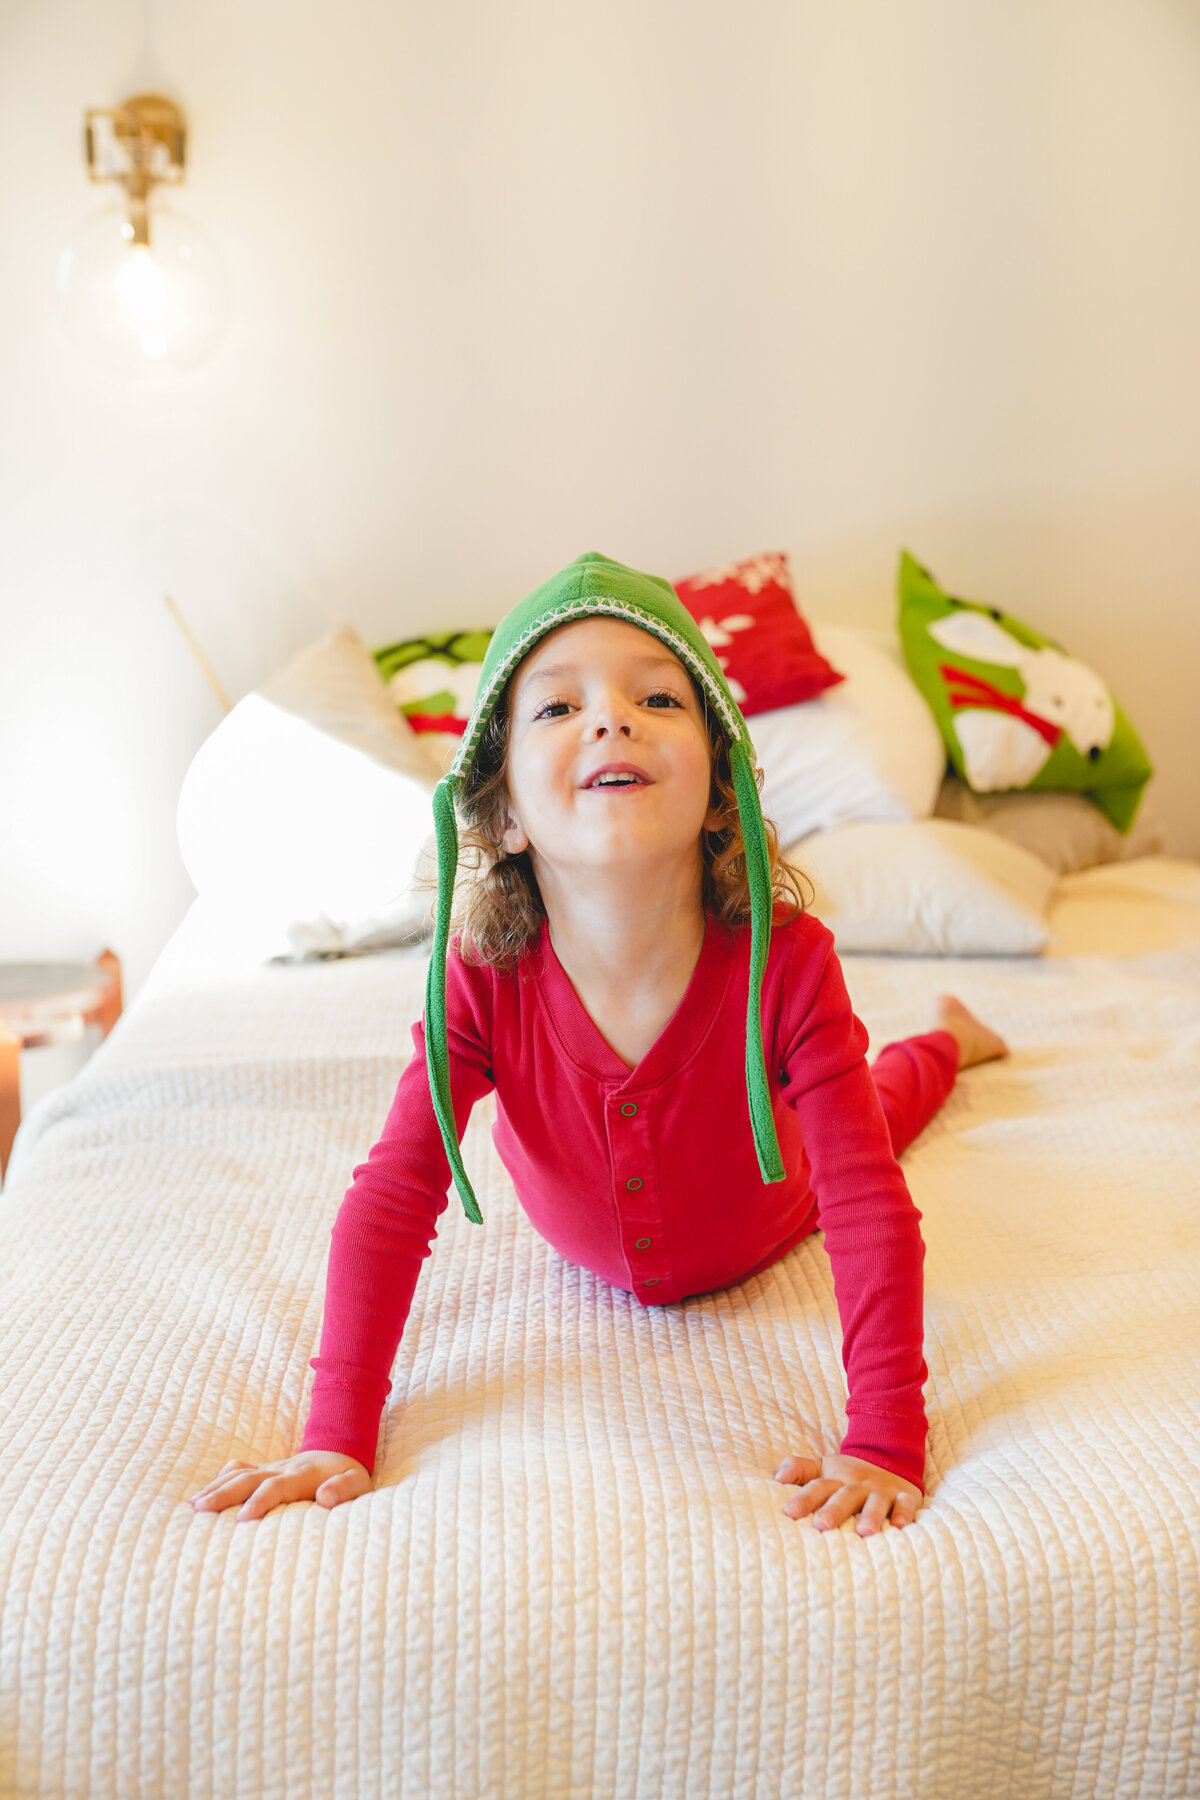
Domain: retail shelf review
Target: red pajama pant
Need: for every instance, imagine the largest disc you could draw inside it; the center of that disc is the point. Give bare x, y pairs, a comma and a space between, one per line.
913, 1078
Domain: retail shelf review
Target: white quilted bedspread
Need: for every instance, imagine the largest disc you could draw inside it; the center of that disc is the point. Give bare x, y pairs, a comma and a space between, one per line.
573, 1576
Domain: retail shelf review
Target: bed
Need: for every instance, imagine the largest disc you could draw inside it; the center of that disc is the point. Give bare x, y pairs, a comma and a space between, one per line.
573, 1576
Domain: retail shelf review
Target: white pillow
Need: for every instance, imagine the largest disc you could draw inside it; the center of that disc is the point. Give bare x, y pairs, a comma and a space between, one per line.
312, 797
867, 749
931, 887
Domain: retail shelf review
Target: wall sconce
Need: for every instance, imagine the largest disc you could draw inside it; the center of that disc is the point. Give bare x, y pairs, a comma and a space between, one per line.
141, 288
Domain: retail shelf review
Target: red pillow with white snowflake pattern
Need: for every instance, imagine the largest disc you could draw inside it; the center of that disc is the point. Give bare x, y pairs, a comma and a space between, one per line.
748, 613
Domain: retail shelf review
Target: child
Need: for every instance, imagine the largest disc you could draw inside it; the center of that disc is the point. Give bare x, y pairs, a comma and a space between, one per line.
604, 982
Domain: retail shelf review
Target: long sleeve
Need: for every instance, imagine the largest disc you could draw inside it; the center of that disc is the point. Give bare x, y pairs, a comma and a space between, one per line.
871, 1224
385, 1227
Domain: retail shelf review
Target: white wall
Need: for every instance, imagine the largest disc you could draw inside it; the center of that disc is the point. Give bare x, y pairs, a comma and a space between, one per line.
673, 281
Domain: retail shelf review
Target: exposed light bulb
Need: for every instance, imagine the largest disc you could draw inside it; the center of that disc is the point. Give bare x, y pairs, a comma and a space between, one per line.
142, 296
132, 308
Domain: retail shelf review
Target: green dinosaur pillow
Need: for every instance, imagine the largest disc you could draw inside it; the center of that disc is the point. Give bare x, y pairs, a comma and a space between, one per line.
1014, 709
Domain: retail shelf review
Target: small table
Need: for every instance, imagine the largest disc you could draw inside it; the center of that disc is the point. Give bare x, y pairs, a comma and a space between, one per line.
49, 1003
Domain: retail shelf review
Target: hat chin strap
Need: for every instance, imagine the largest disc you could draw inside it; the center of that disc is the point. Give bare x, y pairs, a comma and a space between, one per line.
436, 1054
758, 872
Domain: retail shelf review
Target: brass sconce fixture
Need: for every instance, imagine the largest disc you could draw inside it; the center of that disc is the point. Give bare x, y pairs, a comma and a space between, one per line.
151, 131
141, 287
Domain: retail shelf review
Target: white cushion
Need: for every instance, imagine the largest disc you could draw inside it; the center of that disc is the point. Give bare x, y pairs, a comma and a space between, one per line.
312, 798
929, 887
867, 749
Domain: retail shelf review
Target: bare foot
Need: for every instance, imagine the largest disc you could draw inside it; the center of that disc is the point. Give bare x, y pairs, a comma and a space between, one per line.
976, 1041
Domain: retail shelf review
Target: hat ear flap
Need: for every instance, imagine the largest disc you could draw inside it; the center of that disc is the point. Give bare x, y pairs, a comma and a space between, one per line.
758, 874
437, 1058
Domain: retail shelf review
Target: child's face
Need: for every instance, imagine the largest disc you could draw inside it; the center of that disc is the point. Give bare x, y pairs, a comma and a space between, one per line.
595, 692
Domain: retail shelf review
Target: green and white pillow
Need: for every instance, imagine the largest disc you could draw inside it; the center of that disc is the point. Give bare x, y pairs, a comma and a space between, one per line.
433, 681
1015, 711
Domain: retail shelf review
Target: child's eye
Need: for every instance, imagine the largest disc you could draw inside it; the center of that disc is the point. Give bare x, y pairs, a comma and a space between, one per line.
543, 711
663, 694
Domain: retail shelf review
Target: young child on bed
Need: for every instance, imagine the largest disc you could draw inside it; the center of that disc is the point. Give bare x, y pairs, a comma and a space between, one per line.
682, 1091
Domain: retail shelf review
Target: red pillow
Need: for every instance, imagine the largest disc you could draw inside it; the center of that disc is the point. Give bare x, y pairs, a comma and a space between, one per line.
747, 611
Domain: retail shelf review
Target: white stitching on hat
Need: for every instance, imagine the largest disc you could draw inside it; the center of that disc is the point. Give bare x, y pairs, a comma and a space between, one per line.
595, 603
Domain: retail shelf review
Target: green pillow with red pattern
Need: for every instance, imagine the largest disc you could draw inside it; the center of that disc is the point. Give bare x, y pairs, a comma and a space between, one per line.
1014, 709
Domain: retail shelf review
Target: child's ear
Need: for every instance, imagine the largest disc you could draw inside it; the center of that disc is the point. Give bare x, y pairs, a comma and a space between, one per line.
514, 839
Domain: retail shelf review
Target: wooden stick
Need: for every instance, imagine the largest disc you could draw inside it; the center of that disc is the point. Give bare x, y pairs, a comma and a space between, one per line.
198, 653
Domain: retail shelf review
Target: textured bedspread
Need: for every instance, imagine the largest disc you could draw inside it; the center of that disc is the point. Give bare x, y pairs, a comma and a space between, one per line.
573, 1576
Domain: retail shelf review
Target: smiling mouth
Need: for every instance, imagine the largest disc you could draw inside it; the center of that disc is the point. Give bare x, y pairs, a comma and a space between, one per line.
616, 784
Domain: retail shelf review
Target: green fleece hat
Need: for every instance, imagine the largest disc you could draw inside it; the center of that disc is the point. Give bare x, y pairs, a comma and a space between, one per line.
590, 587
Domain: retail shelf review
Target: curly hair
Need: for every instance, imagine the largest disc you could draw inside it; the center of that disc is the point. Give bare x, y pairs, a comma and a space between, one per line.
499, 910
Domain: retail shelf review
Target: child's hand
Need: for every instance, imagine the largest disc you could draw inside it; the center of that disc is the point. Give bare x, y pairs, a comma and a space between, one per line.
841, 1485
321, 1475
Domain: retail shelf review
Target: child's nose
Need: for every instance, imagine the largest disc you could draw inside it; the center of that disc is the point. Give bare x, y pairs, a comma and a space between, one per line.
613, 713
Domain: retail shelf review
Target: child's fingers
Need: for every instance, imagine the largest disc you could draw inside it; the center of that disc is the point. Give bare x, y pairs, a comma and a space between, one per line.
221, 1476
798, 1469
904, 1508
276, 1490
810, 1496
222, 1472
348, 1485
874, 1512
839, 1506
228, 1492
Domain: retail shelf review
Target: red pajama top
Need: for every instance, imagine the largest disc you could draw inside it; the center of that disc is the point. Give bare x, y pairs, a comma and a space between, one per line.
647, 1176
